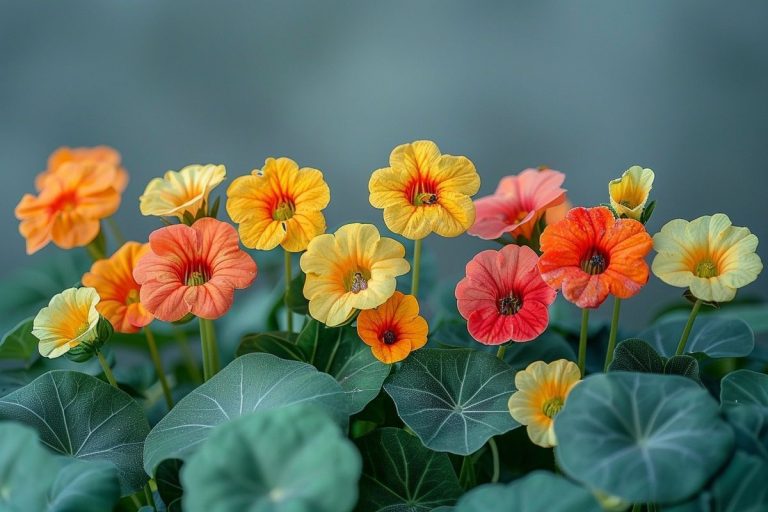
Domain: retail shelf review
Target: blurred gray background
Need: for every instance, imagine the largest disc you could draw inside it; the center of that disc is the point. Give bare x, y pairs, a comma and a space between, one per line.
588, 88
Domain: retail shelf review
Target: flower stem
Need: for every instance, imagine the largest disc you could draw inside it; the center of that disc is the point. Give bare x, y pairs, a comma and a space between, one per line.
583, 340
636, 507
501, 351
136, 501
495, 455
288, 278
415, 269
107, 371
117, 234
186, 352
688, 327
210, 350
614, 333
149, 496
154, 353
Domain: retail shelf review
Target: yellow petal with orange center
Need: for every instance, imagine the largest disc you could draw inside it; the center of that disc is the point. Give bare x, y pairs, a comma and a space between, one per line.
69, 320
179, 192
630, 192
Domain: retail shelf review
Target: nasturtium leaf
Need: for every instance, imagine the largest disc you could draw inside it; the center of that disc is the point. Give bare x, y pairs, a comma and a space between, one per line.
168, 483
281, 344
27, 470
750, 426
713, 336
744, 387
454, 400
684, 365
536, 492
83, 417
635, 355
629, 434
290, 459
741, 487
295, 296
253, 382
85, 486
19, 343
399, 473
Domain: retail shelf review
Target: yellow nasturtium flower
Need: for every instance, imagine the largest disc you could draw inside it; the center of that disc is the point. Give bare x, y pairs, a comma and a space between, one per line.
185, 191
352, 269
279, 205
542, 389
424, 191
69, 320
630, 192
708, 255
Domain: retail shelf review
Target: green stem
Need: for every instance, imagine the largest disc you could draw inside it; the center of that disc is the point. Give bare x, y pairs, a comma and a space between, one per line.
288, 278
149, 496
107, 370
95, 252
583, 340
636, 507
154, 353
210, 350
116, 232
186, 353
416, 266
613, 334
501, 351
495, 455
136, 502
688, 327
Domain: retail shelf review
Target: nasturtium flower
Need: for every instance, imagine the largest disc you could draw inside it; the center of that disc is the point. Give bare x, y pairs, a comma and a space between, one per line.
70, 207
394, 329
708, 255
503, 296
180, 192
424, 191
353, 269
590, 254
113, 280
193, 269
630, 192
69, 320
99, 155
542, 390
279, 205
557, 213
518, 204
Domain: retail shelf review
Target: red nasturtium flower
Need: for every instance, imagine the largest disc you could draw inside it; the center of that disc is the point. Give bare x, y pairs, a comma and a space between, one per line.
503, 296
193, 269
394, 329
590, 254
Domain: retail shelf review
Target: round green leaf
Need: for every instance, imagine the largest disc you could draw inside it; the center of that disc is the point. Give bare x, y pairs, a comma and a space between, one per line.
714, 336
169, 484
635, 355
744, 387
85, 486
253, 382
83, 417
281, 344
741, 487
27, 470
536, 492
292, 459
19, 343
399, 473
629, 435
454, 400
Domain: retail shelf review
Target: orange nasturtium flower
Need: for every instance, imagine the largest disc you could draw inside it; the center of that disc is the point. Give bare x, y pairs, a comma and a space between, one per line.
394, 329
185, 191
354, 268
591, 254
630, 192
542, 389
113, 280
193, 269
708, 255
69, 320
98, 154
423, 191
70, 207
279, 205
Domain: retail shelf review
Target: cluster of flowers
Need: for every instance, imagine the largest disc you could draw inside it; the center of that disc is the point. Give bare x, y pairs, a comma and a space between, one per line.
191, 267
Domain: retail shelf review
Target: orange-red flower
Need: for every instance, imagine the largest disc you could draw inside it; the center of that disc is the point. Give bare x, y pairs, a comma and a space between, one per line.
99, 154
394, 329
69, 208
591, 254
113, 280
193, 269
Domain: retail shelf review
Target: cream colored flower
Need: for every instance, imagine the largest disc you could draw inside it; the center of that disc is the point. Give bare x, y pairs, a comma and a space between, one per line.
630, 192
69, 320
177, 193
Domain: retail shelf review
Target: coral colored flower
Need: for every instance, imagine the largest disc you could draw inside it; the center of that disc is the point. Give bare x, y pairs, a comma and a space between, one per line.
630, 192
707, 255
69, 208
185, 191
69, 320
591, 254
518, 204
542, 390
354, 268
394, 329
503, 296
279, 205
193, 269
423, 191
557, 213
113, 280
99, 154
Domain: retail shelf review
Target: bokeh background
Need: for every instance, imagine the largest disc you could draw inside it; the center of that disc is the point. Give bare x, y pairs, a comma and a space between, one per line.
588, 88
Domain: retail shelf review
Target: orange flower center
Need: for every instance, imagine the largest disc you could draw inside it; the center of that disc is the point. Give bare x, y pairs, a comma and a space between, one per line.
66, 202
132, 297
283, 211
358, 283
509, 305
552, 406
595, 262
706, 268
389, 337
422, 192
515, 217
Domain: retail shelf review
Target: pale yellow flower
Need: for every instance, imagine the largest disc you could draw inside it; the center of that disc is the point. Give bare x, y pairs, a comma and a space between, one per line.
630, 192
69, 320
177, 193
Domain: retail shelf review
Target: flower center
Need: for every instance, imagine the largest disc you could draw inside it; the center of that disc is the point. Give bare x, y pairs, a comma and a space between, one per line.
66, 202
594, 263
389, 337
552, 406
284, 211
426, 199
626, 203
132, 297
359, 283
509, 305
706, 268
